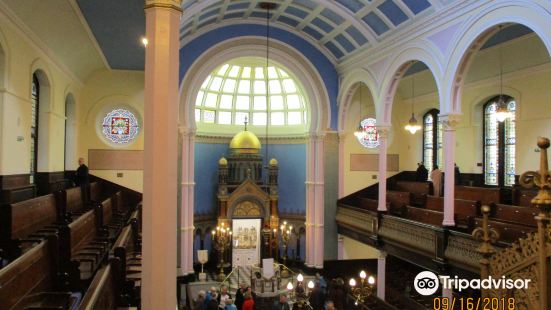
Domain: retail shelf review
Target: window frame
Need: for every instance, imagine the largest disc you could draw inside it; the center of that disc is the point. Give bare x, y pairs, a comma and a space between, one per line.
435, 128
34, 138
501, 144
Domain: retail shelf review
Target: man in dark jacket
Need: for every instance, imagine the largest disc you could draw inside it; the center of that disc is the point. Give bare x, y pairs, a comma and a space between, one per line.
282, 304
422, 173
82, 179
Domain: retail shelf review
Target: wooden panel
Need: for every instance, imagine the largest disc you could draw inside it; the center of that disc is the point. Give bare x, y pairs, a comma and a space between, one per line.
370, 162
115, 160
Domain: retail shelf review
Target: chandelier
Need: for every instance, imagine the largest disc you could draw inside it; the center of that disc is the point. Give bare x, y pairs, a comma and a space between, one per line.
365, 288
501, 110
412, 125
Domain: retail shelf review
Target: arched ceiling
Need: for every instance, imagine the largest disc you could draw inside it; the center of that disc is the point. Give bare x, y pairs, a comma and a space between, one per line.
341, 27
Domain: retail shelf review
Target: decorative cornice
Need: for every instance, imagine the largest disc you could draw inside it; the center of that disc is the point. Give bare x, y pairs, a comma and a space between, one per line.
167, 4
449, 121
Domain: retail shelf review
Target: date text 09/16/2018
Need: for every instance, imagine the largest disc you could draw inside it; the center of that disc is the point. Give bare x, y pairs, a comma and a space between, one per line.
487, 303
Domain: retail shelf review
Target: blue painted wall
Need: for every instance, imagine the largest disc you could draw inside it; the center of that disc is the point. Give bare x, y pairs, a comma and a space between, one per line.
196, 47
292, 175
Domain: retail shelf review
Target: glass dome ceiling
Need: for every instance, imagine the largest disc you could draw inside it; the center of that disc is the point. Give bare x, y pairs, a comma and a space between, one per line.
247, 91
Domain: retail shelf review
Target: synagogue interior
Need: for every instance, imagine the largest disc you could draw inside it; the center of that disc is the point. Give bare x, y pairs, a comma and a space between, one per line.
275, 154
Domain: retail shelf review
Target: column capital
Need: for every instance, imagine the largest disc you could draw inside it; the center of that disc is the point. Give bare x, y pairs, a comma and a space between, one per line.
317, 136
186, 131
169, 4
382, 255
449, 121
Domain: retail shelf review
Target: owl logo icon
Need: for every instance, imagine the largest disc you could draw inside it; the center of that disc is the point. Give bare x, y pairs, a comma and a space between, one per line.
426, 283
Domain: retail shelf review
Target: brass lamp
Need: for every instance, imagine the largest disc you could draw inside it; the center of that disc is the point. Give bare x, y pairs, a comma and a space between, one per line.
365, 288
222, 240
285, 233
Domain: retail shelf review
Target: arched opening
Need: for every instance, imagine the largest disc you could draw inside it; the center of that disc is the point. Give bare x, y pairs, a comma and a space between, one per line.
499, 64
70, 133
416, 101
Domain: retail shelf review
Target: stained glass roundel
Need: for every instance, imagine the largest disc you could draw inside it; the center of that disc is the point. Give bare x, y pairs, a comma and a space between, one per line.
370, 136
120, 126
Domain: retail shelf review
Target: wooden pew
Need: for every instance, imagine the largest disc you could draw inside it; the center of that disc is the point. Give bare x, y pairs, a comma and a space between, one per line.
19, 220
465, 210
96, 193
418, 190
508, 232
368, 204
515, 214
523, 197
29, 281
103, 291
127, 250
426, 216
397, 201
111, 221
83, 247
486, 196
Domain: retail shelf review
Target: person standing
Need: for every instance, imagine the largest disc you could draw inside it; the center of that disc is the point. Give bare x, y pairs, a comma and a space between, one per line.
248, 304
213, 302
223, 297
317, 298
239, 296
436, 177
82, 179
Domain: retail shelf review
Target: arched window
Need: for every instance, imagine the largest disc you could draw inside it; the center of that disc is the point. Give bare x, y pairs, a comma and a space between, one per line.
246, 88
499, 144
35, 102
432, 140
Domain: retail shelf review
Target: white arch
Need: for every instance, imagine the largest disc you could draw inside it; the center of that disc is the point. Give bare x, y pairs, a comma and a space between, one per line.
70, 132
419, 51
304, 72
348, 87
45, 106
535, 15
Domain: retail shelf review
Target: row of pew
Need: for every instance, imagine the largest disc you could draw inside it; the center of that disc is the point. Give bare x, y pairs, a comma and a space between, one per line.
55, 247
413, 200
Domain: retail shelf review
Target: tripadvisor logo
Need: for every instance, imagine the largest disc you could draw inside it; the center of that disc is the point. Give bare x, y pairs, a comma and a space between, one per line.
427, 283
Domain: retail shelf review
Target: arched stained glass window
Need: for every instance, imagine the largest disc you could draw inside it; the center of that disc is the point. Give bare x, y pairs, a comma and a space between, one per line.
499, 144
248, 89
35, 101
432, 140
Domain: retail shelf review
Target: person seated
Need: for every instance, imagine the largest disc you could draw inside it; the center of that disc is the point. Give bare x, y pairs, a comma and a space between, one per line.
223, 297
282, 304
422, 173
329, 305
213, 302
200, 301
230, 305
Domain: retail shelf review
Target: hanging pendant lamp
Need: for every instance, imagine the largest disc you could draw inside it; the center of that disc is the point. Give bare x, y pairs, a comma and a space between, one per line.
501, 110
360, 131
412, 125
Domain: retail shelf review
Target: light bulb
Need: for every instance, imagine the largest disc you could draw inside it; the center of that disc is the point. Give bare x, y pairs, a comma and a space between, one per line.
371, 280
363, 275
352, 282
300, 277
501, 116
310, 284
213, 232
290, 286
145, 41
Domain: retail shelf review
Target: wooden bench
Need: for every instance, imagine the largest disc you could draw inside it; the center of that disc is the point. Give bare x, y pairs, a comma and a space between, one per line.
29, 281
19, 220
508, 232
397, 201
515, 214
368, 204
486, 196
103, 291
426, 216
127, 250
83, 247
418, 190
465, 210
96, 193
523, 197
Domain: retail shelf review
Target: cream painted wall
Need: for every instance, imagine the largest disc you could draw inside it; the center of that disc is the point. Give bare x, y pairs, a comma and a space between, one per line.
353, 249
104, 91
22, 59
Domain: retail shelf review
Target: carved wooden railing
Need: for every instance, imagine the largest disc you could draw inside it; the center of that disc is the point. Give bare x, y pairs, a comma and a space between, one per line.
527, 258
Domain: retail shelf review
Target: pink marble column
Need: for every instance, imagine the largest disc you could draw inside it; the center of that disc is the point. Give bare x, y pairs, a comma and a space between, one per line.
315, 202
342, 154
381, 275
187, 200
383, 131
449, 122
160, 154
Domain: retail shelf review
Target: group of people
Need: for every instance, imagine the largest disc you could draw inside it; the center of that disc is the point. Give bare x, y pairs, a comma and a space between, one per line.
422, 175
320, 298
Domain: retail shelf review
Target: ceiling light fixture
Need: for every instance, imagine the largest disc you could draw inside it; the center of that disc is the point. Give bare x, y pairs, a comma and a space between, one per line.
360, 131
145, 41
501, 110
412, 125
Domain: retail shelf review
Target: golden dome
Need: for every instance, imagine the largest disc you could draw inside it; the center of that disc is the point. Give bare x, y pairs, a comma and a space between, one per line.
223, 161
273, 162
245, 142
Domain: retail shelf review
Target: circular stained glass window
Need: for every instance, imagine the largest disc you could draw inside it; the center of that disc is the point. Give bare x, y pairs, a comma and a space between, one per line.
120, 126
369, 137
